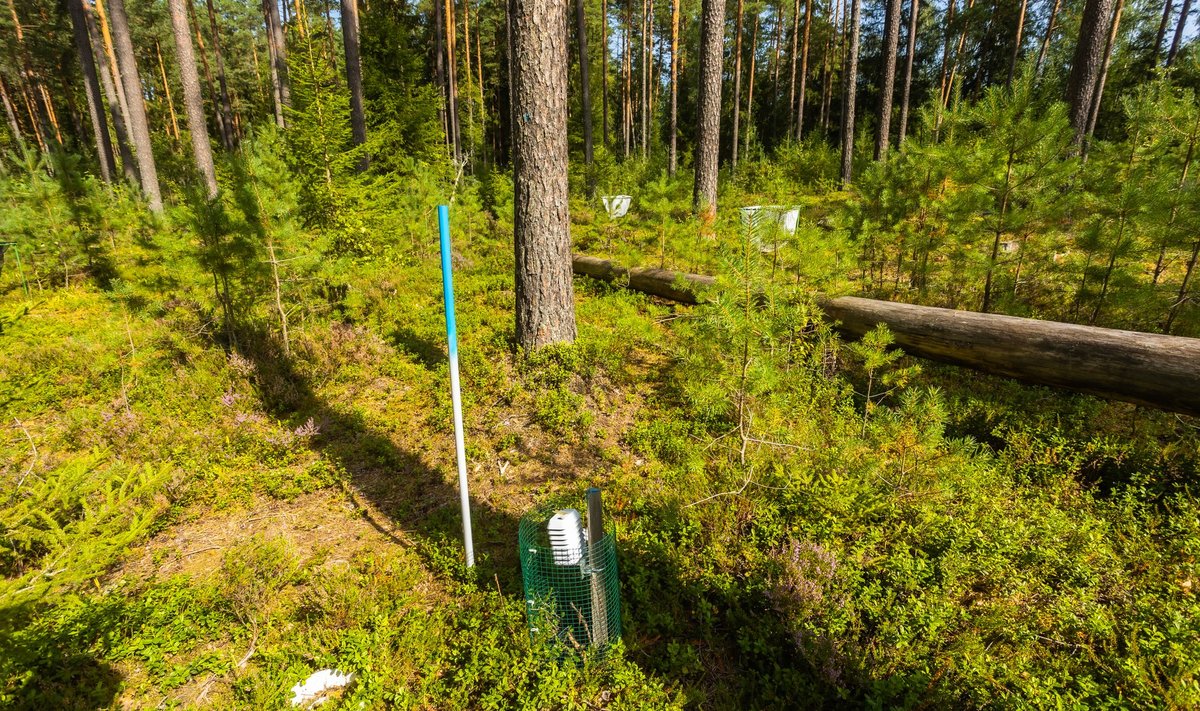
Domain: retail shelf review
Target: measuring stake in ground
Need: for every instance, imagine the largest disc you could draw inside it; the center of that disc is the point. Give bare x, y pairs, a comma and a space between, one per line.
455, 392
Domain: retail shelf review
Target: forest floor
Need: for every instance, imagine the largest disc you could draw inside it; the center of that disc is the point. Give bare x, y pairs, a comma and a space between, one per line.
197, 525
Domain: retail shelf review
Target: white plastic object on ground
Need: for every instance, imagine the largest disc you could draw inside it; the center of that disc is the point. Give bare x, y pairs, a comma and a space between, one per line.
616, 205
312, 691
788, 218
566, 537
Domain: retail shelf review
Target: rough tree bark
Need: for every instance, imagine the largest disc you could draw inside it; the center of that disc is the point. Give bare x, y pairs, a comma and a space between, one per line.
91, 85
585, 80
1046, 38
11, 114
277, 46
891, 44
673, 161
358, 119
1098, 94
803, 70
708, 135
114, 97
850, 89
1085, 66
1168, 9
737, 83
604, 71
166, 86
139, 128
1016, 55
193, 102
545, 306
1179, 28
908, 67
226, 104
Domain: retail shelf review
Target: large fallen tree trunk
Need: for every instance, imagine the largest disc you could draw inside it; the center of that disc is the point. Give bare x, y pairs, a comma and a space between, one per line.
1144, 368
676, 286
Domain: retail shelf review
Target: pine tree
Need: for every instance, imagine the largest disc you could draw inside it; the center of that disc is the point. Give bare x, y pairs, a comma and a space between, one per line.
545, 306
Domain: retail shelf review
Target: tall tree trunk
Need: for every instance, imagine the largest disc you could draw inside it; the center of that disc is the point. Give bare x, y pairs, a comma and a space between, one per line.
792, 55
115, 98
330, 42
439, 70
850, 89
644, 75
41, 113
947, 45
958, 51
452, 82
908, 67
1041, 60
35, 121
808, 16
737, 83
139, 128
750, 88
162, 71
1179, 28
226, 104
604, 71
1098, 94
193, 102
585, 81
891, 44
13, 124
1085, 67
277, 46
673, 161
467, 56
627, 94
1016, 55
358, 118
91, 85
1156, 51
225, 129
708, 134
545, 312
827, 66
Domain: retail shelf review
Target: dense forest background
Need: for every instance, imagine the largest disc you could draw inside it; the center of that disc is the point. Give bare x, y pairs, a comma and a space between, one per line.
225, 445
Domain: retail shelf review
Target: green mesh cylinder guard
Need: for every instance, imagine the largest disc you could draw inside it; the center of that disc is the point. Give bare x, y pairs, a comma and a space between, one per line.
578, 604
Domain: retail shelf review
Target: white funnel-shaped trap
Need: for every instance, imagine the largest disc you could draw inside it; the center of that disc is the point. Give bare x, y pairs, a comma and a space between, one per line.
616, 205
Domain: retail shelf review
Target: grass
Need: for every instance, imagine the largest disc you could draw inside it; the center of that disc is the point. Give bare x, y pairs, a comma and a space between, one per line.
194, 525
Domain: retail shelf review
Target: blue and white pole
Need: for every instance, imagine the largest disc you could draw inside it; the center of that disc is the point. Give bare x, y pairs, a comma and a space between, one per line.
455, 392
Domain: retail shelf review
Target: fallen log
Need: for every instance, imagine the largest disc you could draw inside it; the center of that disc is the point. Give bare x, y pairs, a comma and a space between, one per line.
676, 286
1144, 368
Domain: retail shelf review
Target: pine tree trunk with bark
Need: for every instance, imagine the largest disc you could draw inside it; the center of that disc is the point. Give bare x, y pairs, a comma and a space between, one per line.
358, 117
708, 134
545, 305
91, 85
1017, 42
1086, 64
193, 102
1179, 29
1168, 10
1098, 94
109, 82
891, 44
277, 46
139, 128
849, 93
737, 83
222, 81
908, 67
585, 80
673, 160
1037, 71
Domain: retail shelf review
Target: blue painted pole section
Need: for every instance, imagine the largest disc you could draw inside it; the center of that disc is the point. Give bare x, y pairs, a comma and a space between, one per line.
460, 449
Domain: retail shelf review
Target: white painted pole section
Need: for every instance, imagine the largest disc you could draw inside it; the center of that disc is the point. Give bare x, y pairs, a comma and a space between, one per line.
460, 449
